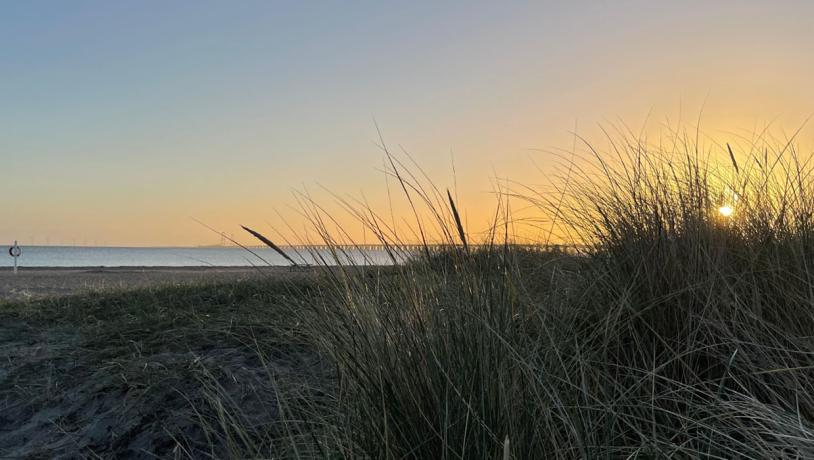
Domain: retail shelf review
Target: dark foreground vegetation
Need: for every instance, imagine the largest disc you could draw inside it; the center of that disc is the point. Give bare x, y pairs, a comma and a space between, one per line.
176, 372
676, 331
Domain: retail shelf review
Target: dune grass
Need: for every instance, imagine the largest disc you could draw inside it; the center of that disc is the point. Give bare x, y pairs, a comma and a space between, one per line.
673, 330
676, 331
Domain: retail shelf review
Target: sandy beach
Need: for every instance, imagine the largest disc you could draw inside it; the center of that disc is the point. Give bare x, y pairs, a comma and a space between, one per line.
33, 283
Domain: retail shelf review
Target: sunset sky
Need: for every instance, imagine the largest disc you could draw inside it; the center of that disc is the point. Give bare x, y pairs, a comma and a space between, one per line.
122, 121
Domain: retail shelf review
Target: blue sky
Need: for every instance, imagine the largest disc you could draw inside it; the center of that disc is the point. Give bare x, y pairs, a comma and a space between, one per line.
121, 120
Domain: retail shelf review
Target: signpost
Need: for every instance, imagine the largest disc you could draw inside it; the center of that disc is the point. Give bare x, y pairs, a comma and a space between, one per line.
15, 252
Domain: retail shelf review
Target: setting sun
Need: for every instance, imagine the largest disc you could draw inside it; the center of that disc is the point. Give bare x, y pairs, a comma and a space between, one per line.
726, 211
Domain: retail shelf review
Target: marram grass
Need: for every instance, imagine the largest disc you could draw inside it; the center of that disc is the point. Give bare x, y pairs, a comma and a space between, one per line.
678, 330
674, 329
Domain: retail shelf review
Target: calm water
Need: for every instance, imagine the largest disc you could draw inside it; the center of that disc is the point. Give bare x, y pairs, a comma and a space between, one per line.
74, 256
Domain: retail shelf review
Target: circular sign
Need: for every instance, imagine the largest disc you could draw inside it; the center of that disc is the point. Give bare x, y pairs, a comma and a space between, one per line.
15, 251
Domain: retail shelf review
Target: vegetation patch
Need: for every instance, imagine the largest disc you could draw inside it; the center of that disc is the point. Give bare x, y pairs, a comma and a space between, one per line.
195, 371
680, 326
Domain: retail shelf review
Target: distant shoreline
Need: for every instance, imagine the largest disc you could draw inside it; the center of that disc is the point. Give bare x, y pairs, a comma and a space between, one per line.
108, 257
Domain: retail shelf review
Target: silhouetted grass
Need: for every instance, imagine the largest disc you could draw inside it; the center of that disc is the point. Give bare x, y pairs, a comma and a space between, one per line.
672, 331
675, 331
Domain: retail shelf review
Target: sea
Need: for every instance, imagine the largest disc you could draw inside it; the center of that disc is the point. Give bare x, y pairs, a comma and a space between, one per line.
85, 256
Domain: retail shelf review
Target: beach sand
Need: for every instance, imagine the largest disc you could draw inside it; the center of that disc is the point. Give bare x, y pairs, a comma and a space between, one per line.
33, 283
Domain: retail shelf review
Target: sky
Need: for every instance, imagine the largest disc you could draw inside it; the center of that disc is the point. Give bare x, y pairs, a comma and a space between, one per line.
128, 122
